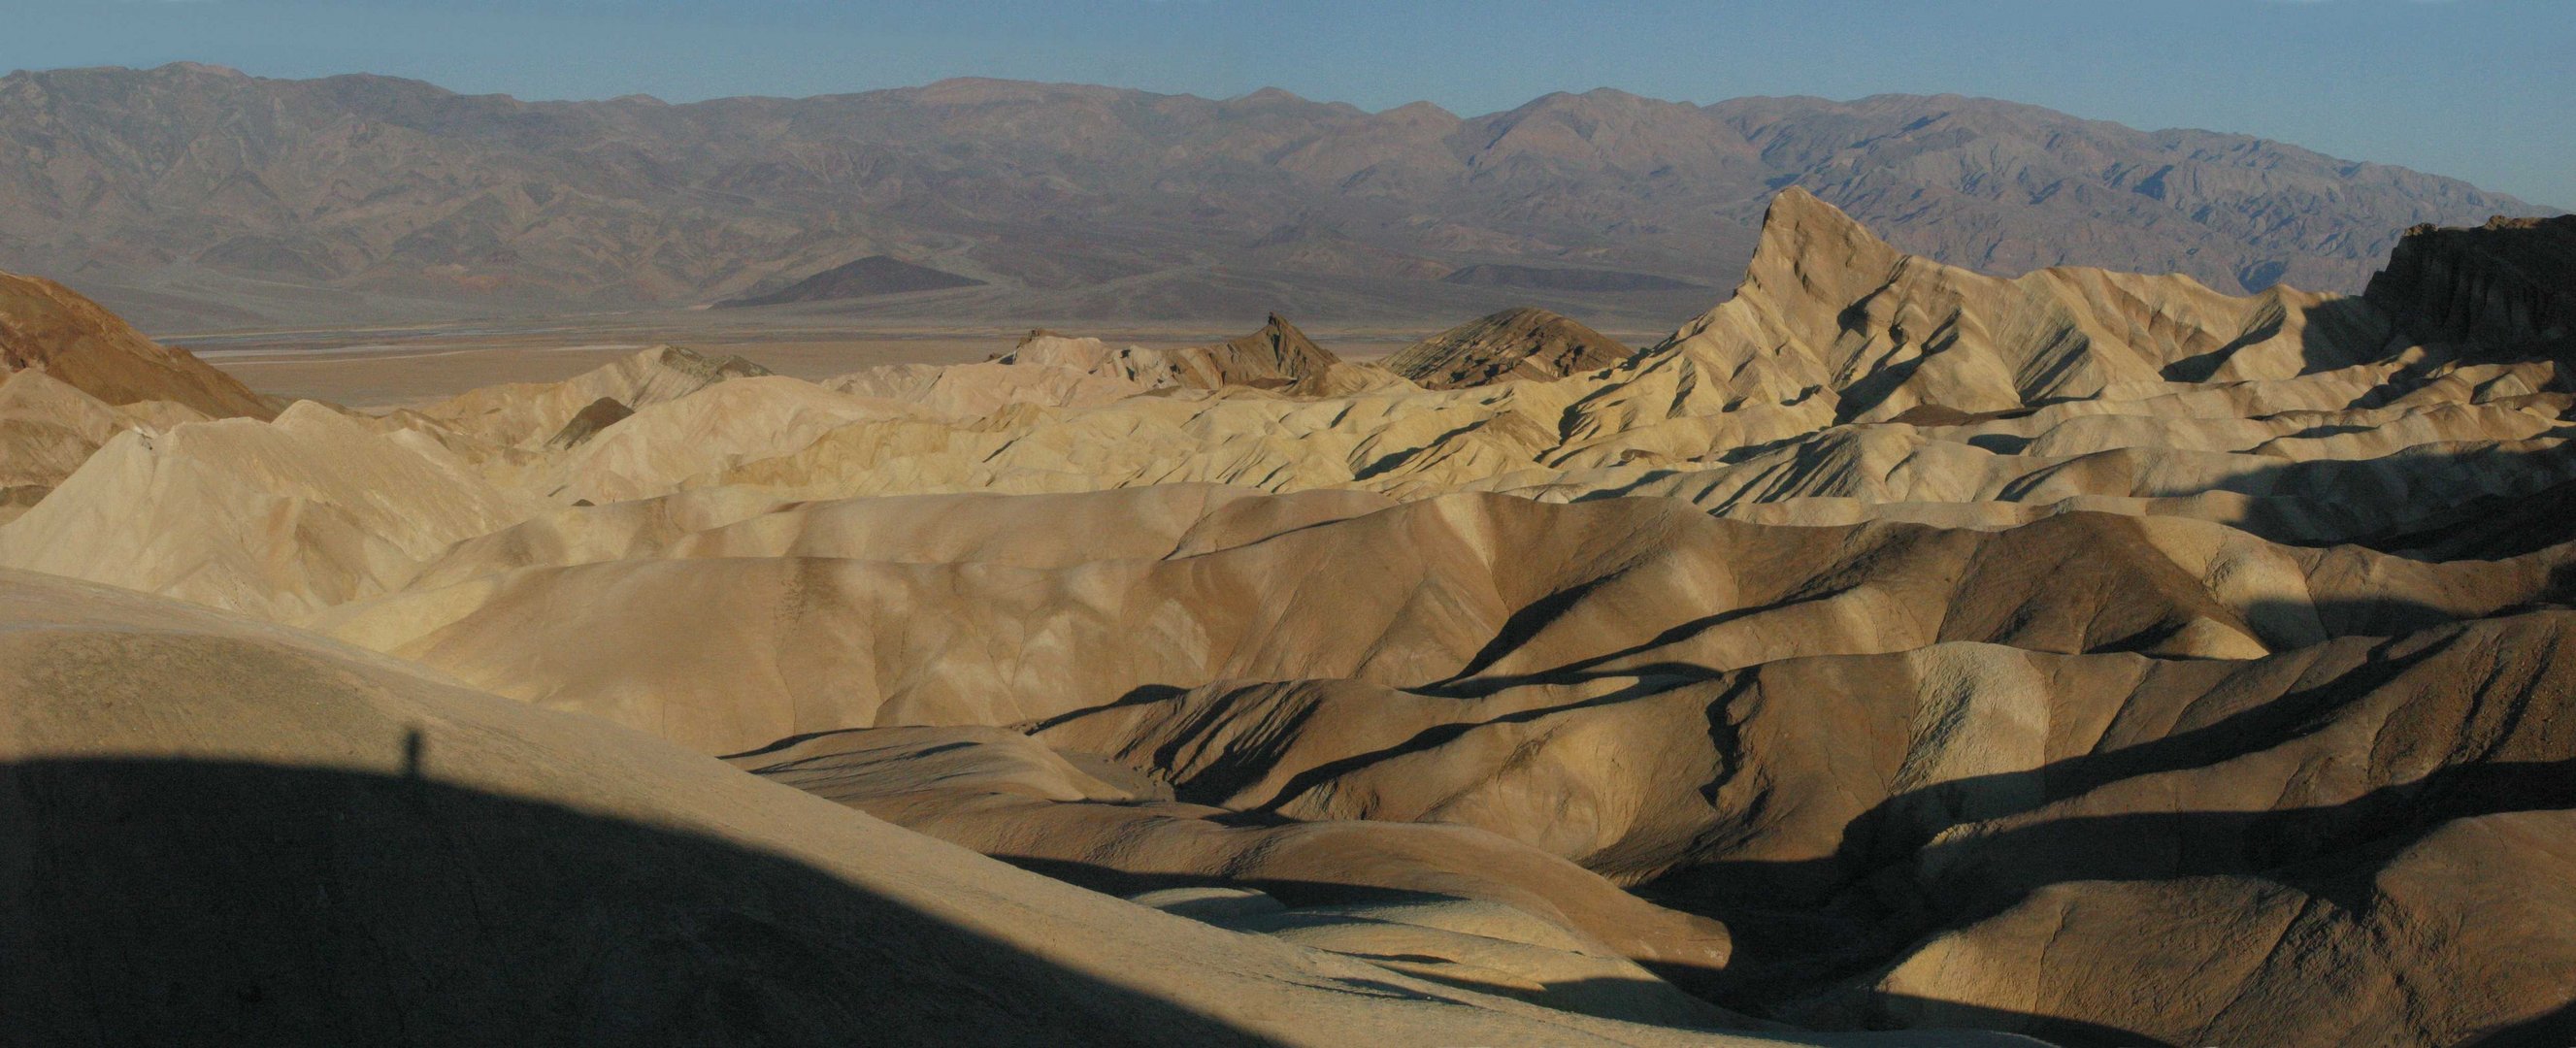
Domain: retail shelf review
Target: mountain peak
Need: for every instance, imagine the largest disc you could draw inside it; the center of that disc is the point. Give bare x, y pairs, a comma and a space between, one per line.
1281, 349
1800, 230
1422, 111
1795, 205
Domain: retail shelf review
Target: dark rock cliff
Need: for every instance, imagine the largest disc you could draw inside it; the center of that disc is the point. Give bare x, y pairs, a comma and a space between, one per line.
2509, 284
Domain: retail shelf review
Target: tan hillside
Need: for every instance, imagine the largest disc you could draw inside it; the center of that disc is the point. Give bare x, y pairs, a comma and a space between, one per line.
48, 429
1893, 651
520, 415
1035, 622
278, 519
1276, 357
49, 328
220, 802
1828, 309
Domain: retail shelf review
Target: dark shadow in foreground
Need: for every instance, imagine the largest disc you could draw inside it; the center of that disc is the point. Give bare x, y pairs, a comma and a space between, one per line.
1802, 926
174, 902
1934, 1016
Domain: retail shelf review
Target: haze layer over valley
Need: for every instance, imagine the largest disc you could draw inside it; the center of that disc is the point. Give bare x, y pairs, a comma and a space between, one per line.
1892, 654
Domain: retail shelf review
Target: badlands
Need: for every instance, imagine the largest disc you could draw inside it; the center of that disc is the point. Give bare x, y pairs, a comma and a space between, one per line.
1892, 655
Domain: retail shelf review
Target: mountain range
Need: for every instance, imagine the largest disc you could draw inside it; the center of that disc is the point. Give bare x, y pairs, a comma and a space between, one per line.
192, 197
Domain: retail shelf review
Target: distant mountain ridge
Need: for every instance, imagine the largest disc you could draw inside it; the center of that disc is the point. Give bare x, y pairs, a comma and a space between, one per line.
199, 197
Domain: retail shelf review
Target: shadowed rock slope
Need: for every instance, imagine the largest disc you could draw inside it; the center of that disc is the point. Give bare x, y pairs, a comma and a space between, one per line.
2085, 655
2507, 282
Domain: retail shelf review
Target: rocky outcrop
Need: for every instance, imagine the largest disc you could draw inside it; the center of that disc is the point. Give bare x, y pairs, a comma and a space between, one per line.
1829, 311
1276, 357
586, 423
2509, 285
1517, 343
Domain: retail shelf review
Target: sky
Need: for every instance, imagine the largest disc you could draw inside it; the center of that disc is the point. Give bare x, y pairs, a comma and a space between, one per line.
2477, 89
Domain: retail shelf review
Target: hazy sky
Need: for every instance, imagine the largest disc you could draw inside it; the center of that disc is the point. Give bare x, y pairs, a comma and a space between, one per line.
2480, 89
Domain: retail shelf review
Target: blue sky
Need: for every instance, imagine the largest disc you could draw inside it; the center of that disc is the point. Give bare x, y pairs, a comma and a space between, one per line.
2480, 89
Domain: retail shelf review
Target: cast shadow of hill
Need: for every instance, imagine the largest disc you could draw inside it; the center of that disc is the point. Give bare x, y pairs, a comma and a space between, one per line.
1804, 925
179, 901
2335, 333
2487, 526
1305, 893
2402, 502
2524, 516
2554, 1030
